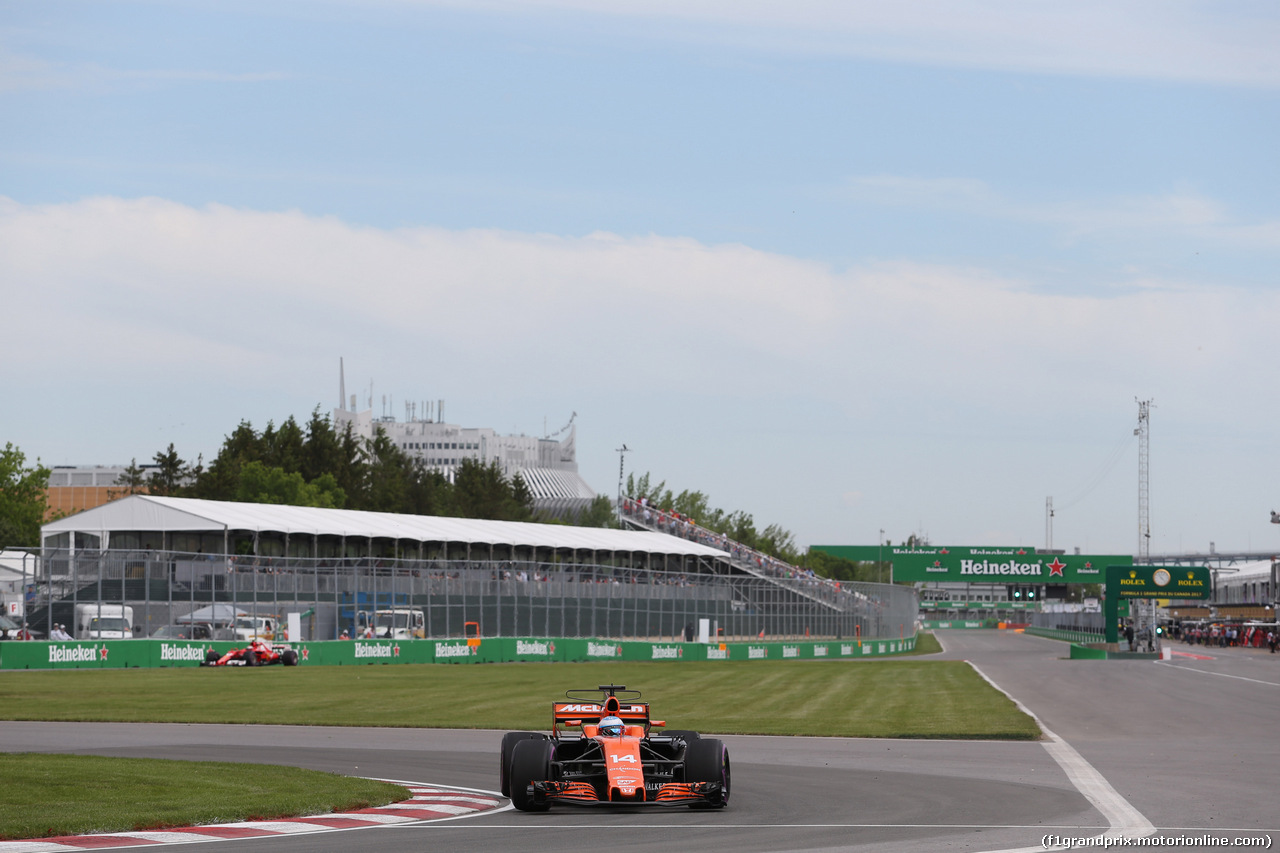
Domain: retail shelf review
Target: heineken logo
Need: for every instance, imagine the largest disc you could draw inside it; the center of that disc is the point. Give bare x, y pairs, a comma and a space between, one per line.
757, 652
169, 651
75, 654
819, 651
1012, 567
373, 650
535, 647
603, 650
1056, 567
790, 652
717, 653
846, 649
667, 653
452, 650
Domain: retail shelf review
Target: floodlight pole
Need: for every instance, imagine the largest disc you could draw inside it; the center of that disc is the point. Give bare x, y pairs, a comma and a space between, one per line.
622, 453
880, 558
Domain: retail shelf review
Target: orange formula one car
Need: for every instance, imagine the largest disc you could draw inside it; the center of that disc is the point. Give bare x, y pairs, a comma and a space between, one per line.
613, 759
257, 653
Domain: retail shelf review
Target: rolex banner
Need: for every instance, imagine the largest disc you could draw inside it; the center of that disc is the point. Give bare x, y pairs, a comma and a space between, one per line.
1177, 582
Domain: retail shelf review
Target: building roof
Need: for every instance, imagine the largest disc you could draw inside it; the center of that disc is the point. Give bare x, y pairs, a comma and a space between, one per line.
147, 512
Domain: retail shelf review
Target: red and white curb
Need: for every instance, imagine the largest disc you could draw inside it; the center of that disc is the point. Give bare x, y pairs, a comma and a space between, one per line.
428, 803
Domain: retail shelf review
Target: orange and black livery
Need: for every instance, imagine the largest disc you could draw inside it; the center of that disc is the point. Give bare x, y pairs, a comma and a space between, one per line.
602, 751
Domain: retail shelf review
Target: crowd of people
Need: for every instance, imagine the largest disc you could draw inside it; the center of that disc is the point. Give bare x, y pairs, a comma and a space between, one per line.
1230, 636
677, 524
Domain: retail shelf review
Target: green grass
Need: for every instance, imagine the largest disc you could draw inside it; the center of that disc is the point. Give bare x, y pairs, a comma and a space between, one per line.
49, 795
880, 698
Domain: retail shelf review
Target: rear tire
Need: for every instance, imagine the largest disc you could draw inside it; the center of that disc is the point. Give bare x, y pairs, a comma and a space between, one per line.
509, 741
707, 760
530, 762
211, 656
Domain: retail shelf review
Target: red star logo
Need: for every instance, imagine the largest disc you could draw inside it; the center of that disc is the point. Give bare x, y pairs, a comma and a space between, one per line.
944, 551
1022, 551
1055, 568
306, 653
937, 562
102, 653
552, 647
1088, 565
395, 650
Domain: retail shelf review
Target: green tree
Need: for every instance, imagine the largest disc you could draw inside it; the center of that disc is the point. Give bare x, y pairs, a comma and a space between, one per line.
273, 485
171, 474
482, 491
599, 513
521, 499
132, 481
24, 498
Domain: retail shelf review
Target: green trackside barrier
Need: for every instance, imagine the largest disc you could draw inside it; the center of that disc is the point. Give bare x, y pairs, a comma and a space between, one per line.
1082, 652
955, 623
1065, 636
121, 654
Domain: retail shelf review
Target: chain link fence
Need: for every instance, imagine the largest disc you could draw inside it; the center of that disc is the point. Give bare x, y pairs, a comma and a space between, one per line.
505, 598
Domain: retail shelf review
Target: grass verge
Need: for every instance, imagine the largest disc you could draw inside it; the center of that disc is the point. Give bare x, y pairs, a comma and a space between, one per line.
50, 795
882, 698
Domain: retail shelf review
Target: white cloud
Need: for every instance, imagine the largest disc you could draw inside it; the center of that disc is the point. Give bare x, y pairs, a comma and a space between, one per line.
1217, 42
250, 285
1183, 213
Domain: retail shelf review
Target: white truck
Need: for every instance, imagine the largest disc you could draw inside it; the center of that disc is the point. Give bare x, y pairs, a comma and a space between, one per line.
262, 627
392, 623
104, 622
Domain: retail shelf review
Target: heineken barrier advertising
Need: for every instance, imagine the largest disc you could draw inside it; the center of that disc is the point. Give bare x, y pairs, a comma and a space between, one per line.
119, 654
982, 565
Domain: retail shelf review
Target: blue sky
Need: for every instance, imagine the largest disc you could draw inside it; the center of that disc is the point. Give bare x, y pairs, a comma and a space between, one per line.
844, 266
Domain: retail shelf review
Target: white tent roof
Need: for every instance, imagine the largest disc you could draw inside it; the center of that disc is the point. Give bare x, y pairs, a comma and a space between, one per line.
145, 512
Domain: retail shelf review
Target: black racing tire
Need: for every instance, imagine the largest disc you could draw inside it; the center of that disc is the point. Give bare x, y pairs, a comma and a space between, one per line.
530, 762
289, 657
707, 760
509, 741
250, 658
211, 656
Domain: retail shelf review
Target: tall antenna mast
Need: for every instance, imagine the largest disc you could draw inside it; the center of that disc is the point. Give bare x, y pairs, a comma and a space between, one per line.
1048, 523
342, 385
1143, 432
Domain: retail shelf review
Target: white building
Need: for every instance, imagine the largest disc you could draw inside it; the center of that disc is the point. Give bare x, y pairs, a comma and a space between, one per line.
548, 465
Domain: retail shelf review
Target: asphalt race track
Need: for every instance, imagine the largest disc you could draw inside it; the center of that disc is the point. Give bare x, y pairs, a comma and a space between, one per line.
1188, 747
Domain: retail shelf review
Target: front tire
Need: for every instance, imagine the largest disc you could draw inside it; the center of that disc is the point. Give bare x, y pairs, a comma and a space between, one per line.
509, 741
707, 760
250, 658
530, 762
289, 657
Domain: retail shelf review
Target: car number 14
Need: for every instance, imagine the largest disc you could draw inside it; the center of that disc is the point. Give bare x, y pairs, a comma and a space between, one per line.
630, 759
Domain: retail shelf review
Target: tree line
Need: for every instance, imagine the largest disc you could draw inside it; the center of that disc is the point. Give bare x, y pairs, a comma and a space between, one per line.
318, 465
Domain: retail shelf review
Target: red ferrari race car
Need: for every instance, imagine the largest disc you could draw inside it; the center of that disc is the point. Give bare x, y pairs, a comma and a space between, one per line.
257, 653
613, 759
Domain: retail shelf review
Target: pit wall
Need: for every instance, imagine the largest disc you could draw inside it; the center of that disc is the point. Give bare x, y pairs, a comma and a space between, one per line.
119, 654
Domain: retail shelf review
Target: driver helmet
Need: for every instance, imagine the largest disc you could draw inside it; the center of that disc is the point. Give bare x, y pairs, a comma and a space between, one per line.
611, 727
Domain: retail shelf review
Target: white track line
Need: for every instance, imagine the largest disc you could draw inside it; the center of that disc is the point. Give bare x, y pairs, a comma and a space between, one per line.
1219, 674
1123, 819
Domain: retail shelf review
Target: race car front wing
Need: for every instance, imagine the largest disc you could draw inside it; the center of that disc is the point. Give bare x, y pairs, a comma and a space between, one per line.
668, 794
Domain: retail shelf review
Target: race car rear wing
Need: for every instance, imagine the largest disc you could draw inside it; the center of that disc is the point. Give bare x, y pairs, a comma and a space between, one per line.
578, 712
